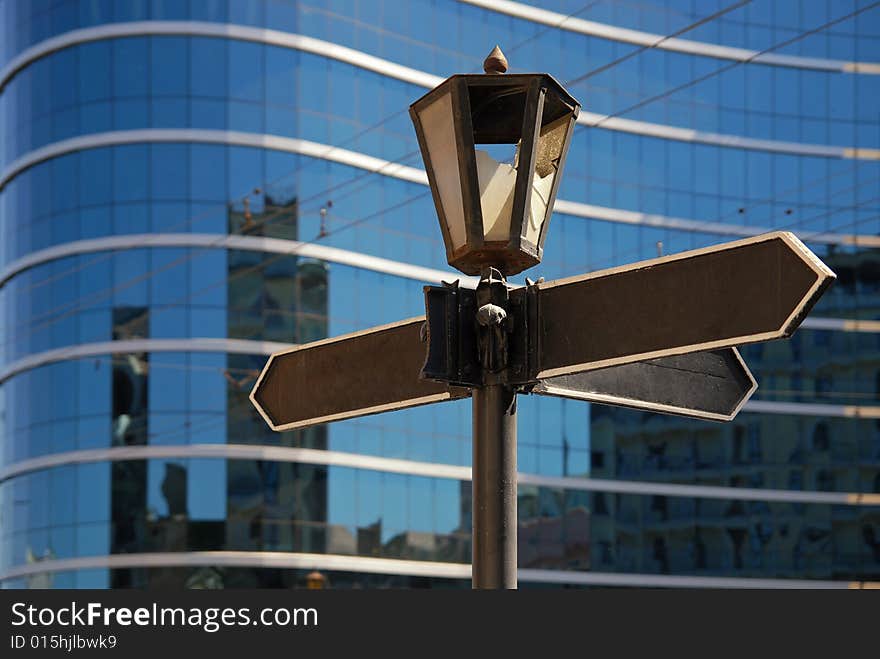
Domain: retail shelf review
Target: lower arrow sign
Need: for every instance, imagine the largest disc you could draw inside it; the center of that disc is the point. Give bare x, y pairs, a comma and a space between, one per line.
368, 372
706, 385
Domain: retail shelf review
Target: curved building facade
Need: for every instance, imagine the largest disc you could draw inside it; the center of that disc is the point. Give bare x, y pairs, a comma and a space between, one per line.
186, 188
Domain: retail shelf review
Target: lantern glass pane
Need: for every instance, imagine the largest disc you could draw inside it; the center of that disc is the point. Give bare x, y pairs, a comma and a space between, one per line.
496, 175
439, 135
549, 149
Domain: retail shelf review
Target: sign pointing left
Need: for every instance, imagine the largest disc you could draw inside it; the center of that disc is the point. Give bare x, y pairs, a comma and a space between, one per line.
367, 372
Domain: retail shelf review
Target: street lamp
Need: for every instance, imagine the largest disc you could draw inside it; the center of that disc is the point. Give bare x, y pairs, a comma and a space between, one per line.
494, 147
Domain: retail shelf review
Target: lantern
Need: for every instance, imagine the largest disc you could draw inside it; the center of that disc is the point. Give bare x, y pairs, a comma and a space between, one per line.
494, 147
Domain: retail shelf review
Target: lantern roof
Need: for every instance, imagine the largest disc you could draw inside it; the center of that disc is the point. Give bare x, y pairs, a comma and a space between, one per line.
497, 101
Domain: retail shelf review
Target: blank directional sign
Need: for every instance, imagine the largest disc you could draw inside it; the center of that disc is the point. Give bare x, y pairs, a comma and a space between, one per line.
354, 375
706, 385
740, 292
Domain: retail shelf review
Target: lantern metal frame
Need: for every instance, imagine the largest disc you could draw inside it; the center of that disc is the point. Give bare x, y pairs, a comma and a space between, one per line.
503, 100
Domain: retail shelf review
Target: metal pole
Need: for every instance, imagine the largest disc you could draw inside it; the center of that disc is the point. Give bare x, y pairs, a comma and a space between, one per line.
494, 487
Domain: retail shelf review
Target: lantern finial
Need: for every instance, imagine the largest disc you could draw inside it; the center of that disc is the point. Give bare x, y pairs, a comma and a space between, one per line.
496, 62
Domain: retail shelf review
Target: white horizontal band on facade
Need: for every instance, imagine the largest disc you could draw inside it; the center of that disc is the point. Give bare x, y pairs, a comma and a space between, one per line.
640, 38
307, 250
245, 346
425, 469
241, 452
85, 350
223, 241
398, 171
207, 136
815, 409
405, 74
394, 566
257, 559
622, 216
677, 133
222, 31
842, 324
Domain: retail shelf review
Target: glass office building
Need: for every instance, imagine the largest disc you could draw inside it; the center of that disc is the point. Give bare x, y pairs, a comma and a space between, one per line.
186, 187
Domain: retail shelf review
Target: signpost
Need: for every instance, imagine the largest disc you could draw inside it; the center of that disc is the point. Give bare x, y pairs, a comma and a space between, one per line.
659, 335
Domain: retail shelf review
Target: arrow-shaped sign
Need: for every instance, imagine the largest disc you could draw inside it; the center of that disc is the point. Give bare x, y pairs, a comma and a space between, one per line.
655, 335
740, 292
367, 372
705, 385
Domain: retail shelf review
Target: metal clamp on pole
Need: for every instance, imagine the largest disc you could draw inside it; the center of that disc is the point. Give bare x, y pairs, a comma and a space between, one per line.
450, 332
492, 302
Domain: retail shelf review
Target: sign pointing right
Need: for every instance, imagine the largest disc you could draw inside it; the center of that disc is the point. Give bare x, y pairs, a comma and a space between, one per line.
740, 292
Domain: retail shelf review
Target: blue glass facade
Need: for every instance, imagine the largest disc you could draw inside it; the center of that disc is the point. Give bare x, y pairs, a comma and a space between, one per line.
186, 186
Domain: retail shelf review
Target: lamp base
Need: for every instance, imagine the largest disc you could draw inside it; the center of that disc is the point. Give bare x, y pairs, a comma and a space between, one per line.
500, 255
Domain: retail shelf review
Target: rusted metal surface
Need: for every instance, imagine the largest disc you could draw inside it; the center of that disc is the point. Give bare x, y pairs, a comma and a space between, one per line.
711, 385
364, 373
741, 292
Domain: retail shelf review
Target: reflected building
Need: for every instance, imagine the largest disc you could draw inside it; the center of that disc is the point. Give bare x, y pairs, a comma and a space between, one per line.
795, 454
272, 506
179, 189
